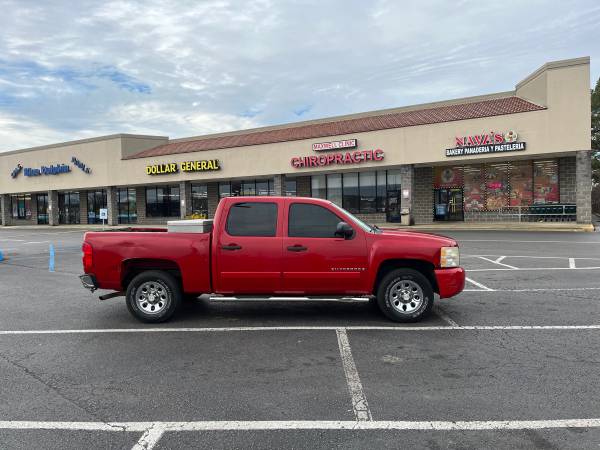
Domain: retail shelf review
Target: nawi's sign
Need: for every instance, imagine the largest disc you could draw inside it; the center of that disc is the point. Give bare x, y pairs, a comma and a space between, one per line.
486, 143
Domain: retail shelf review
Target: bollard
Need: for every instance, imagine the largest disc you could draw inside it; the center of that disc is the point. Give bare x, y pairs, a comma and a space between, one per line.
51, 261
1, 256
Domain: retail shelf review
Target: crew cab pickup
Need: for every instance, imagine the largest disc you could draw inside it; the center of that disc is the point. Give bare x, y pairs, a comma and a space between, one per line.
274, 246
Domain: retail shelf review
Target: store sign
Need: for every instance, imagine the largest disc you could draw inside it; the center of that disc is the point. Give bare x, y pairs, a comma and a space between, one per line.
81, 165
46, 170
17, 170
355, 157
335, 145
186, 166
486, 143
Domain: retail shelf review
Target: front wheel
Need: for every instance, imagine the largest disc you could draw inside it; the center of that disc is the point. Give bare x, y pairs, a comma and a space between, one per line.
153, 296
405, 295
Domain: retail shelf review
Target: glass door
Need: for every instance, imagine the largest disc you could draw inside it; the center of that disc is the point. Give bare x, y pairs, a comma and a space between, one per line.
392, 207
42, 209
68, 208
448, 204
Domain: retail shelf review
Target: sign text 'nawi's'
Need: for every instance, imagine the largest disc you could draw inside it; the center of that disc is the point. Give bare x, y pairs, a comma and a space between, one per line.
486, 143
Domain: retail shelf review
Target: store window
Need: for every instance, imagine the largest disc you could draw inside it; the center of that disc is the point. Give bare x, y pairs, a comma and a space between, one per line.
265, 187
200, 200
21, 206
42, 209
359, 192
68, 208
496, 186
162, 201
545, 177
474, 192
127, 205
96, 200
521, 183
238, 188
290, 187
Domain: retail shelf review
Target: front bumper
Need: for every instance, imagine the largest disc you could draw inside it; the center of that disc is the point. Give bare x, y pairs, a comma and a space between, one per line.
89, 282
450, 281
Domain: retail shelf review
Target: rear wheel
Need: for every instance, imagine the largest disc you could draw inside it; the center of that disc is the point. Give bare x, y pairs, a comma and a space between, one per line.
405, 295
153, 296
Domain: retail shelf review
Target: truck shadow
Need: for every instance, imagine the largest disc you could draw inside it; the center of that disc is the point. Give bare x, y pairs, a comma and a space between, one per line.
285, 313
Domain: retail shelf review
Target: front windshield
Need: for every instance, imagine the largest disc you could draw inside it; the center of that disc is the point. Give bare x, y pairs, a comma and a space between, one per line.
365, 226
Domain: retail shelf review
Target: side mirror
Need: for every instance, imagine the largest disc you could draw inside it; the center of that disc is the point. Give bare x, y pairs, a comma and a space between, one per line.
344, 230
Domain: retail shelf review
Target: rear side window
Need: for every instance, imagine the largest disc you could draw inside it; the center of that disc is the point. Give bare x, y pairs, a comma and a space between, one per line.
311, 221
252, 219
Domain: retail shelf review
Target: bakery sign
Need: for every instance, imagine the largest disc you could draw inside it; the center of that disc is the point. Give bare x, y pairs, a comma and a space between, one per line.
354, 155
492, 142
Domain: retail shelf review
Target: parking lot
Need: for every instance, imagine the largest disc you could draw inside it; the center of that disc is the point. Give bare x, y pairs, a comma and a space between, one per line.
512, 362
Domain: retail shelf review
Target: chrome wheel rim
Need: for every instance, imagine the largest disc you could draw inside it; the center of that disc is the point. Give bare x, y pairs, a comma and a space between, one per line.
152, 297
406, 296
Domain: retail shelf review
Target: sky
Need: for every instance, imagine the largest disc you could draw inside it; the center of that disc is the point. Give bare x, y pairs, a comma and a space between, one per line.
71, 70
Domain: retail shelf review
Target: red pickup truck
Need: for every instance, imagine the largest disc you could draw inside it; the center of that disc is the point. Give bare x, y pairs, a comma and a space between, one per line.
274, 246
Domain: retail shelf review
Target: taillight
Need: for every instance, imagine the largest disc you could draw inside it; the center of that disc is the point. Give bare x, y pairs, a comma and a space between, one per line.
87, 257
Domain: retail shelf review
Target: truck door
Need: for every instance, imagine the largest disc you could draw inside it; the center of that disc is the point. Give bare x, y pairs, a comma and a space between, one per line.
249, 249
315, 260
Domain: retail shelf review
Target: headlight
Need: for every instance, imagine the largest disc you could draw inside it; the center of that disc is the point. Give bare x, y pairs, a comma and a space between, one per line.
449, 257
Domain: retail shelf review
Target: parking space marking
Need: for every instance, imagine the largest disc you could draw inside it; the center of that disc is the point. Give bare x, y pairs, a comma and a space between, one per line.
150, 438
572, 263
479, 285
498, 261
303, 328
445, 317
359, 400
249, 425
533, 268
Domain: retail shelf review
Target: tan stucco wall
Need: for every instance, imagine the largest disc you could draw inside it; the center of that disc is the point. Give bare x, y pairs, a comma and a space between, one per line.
563, 127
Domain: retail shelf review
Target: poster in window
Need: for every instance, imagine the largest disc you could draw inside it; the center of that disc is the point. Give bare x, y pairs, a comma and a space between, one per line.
474, 188
545, 177
496, 186
447, 177
521, 183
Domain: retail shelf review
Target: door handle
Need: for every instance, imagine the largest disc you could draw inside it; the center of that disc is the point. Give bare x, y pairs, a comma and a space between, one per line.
297, 248
231, 247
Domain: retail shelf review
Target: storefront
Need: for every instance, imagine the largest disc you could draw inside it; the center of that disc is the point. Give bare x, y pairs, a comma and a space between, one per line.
518, 155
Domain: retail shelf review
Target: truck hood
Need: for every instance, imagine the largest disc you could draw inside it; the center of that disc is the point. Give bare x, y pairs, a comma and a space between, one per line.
441, 241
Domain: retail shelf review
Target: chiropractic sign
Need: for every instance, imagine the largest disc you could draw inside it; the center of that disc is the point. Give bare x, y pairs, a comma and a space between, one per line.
486, 143
338, 158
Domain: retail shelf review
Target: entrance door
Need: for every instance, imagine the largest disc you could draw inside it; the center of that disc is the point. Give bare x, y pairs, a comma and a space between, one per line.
448, 203
392, 206
42, 209
248, 249
68, 208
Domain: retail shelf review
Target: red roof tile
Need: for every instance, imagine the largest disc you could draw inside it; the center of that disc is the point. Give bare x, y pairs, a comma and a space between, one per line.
449, 113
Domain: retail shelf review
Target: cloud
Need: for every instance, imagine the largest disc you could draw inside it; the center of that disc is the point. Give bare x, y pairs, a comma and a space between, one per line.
183, 68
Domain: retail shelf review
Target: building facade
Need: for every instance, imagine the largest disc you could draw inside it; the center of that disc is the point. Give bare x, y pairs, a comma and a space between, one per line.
517, 155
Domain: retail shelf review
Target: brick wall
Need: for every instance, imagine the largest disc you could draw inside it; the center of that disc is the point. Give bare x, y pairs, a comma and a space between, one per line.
212, 190
5, 218
422, 204
583, 188
567, 179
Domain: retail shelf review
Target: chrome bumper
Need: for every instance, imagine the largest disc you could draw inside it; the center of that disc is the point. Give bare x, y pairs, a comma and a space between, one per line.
89, 282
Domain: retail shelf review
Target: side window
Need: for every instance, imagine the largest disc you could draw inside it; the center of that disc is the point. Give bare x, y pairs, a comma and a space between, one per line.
306, 220
252, 219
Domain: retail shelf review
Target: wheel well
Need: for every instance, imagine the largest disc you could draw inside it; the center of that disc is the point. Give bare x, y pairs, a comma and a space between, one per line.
426, 268
133, 267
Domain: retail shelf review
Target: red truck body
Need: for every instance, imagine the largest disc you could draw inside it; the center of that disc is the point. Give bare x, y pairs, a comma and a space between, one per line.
279, 264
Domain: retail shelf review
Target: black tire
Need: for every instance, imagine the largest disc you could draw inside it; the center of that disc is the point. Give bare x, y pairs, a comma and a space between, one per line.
163, 293
392, 304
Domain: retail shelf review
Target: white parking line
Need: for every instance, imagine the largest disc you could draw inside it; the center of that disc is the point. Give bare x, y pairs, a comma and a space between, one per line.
572, 263
536, 289
249, 425
445, 317
359, 400
479, 285
533, 268
497, 261
150, 438
304, 328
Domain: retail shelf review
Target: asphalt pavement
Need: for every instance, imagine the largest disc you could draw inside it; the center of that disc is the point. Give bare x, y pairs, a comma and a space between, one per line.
512, 362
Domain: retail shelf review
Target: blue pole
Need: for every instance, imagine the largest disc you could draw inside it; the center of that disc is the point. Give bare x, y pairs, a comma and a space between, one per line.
51, 261
1, 256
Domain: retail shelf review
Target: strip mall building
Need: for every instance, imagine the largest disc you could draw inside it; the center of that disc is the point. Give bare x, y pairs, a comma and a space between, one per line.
498, 157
